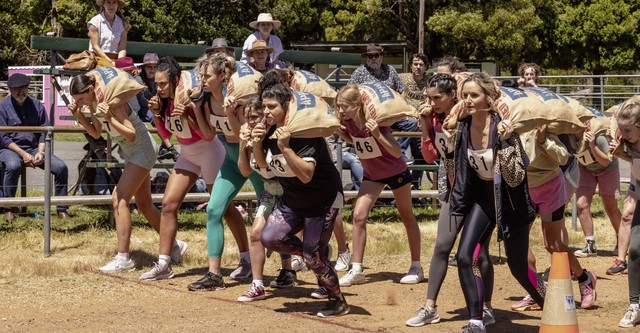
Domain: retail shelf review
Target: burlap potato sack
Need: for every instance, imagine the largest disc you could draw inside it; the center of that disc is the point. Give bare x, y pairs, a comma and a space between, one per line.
562, 119
309, 116
383, 104
305, 81
243, 84
599, 126
580, 110
189, 80
113, 86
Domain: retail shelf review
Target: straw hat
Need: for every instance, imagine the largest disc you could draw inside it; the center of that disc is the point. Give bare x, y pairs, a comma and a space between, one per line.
259, 45
265, 18
121, 3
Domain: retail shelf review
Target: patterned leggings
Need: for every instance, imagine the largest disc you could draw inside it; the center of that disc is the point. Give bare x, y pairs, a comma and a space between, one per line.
279, 235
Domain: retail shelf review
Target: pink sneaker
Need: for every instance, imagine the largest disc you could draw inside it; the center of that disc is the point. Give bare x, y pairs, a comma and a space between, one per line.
588, 290
253, 294
525, 304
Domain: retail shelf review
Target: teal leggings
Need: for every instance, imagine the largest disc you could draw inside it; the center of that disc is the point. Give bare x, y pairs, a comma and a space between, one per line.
227, 185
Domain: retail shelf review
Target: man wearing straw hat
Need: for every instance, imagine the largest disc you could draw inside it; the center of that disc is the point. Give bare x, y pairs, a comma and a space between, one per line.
265, 26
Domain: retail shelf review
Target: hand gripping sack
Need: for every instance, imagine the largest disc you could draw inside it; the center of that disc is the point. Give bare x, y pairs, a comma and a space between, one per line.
305, 81
562, 118
113, 86
599, 126
243, 84
309, 116
383, 104
189, 80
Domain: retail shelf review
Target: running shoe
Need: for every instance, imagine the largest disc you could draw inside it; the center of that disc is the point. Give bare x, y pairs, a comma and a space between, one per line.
589, 249
525, 304
178, 250
588, 291
352, 278
254, 293
415, 275
298, 264
320, 293
424, 315
336, 306
631, 317
118, 265
209, 281
487, 316
473, 328
619, 266
344, 261
158, 272
453, 262
243, 271
286, 279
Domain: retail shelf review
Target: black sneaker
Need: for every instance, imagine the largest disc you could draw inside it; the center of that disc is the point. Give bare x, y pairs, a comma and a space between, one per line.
453, 262
170, 153
336, 306
589, 249
286, 279
209, 281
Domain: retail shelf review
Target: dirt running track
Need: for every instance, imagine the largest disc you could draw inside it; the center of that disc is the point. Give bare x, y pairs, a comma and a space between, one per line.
93, 302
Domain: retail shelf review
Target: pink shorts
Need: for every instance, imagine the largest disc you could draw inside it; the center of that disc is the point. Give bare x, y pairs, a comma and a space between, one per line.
549, 196
202, 158
608, 182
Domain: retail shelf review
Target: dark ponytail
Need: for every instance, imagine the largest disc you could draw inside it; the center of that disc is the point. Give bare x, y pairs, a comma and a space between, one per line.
274, 85
80, 84
170, 66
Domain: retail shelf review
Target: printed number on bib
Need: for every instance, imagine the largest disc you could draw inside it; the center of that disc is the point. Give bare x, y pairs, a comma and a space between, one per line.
366, 148
279, 166
178, 127
107, 127
264, 172
635, 169
585, 158
221, 124
444, 146
482, 162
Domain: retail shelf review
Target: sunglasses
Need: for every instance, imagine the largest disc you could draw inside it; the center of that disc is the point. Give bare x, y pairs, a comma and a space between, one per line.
373, 56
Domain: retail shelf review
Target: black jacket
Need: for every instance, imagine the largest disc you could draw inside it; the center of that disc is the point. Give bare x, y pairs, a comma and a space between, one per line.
513, 206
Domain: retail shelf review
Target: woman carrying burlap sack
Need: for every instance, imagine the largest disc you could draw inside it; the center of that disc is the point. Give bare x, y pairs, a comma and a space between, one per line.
312, 190
383, 164
200, 155
225, 117
139, 153
108, 32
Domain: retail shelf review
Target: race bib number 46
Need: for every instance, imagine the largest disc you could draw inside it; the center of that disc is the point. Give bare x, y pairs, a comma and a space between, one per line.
366, 148
178, 127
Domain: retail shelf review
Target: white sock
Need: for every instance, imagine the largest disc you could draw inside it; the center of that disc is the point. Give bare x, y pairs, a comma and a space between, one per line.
164, 260
123, 255
477, 322
258, 283
416, 264
245, 255
591, 238
357, 267
634, 306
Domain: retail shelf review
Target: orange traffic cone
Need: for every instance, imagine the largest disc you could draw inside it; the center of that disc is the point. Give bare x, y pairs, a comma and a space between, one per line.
559, 314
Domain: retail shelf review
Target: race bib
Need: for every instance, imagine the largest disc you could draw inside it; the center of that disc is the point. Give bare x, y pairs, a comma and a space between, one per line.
482, 162
178, 127
442, 144
366, 148
264, 172
635, 169
584, 157
278, 165
221, 124
107, 127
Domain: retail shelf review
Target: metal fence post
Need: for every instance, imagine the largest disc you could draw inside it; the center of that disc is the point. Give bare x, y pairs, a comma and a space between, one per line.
47, 190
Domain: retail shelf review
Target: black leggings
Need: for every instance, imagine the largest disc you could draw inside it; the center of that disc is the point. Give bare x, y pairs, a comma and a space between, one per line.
634, 258
477, 230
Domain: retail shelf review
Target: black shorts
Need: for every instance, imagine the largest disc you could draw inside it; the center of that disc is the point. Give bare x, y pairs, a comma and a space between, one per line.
396, 181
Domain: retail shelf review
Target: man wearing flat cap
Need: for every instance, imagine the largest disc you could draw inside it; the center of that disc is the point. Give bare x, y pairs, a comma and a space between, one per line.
26, 149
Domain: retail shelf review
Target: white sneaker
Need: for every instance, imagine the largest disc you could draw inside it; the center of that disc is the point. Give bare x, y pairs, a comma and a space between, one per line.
352, 278
298, 264
630, 318
344, 261
415, 275
424, 315
118, 265
487, 317
158, 272
179, 248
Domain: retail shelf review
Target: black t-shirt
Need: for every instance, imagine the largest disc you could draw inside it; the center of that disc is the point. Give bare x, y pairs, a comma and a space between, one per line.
314, 198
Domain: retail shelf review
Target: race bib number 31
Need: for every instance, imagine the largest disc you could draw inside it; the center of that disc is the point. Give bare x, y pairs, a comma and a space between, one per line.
178, 127
482, 162
366, 148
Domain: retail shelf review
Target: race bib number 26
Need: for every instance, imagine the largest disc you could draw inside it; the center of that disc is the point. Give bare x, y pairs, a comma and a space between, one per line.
178, 127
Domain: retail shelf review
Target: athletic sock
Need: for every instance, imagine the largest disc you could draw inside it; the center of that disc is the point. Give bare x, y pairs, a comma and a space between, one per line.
245, 255
590, 238
583, 277
416, 264
123, 255
477, 322
357, 267
258, 283
164, 260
